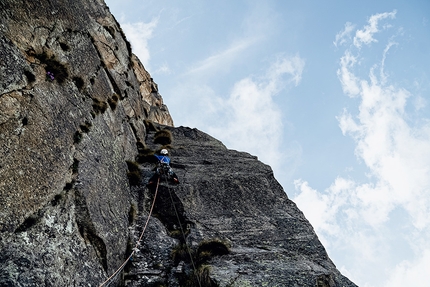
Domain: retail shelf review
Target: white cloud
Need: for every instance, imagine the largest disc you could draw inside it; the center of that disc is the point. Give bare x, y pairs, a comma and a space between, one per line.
349, 81
200, 105
343, 36
248, 118
138, 34
293, 66
252, 121
411, 273
365, 36
357, 216
319, 208
397, 154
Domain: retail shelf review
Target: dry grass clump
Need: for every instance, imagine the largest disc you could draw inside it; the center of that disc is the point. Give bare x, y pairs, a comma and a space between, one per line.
113, 101
99, 106
54, 69
163, 137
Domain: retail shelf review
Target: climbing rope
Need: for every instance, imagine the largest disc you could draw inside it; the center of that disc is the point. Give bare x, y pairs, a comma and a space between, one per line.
183, 235
135, 249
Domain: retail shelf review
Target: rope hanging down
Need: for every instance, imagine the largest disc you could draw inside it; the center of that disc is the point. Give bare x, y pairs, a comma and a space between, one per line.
135, 249
183, 235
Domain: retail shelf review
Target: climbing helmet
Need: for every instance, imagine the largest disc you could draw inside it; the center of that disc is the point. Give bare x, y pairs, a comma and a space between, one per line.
164, 151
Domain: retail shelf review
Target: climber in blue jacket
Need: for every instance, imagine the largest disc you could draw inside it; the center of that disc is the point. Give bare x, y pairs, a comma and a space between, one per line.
163, 157
163, 168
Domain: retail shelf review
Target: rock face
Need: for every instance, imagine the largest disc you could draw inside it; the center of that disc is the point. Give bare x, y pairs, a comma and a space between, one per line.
233, 216
72, 104
77, 110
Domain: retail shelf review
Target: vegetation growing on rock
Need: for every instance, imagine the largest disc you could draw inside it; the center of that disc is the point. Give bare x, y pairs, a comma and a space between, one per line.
163, 137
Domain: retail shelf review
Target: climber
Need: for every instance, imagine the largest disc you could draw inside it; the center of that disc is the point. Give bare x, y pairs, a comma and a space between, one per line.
163, 168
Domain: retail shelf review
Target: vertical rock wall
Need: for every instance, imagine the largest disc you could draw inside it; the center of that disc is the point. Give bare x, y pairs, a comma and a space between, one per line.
73, 99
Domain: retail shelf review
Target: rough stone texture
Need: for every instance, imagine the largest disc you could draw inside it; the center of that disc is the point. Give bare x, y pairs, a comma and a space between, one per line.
70, 208
232, 199
64, 142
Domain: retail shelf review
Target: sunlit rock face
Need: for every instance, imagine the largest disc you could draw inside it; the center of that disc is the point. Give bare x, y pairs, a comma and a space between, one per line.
73, 100
77, 112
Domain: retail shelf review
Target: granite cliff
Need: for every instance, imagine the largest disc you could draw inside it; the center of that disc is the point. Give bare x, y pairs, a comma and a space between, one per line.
79, 119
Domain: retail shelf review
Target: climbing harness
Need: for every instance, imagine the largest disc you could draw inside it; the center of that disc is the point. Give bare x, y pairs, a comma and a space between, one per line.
135, 249
164, 169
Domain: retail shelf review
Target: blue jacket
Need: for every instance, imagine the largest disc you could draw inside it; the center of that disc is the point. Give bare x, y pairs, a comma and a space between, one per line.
163, 159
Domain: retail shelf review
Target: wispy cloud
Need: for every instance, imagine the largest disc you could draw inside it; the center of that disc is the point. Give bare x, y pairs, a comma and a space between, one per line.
248, 119
179, 22
251, 32
350, 83
292, 66
222, 59
411, 273
253, 121
365, 36
344, 36
360, 216
163, 69
139, 34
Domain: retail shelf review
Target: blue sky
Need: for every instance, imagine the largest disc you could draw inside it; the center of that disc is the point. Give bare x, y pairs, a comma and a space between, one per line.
334, 95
